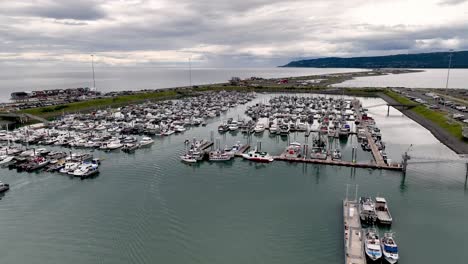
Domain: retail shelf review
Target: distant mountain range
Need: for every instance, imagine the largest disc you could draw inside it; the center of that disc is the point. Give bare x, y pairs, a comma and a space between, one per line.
420, 60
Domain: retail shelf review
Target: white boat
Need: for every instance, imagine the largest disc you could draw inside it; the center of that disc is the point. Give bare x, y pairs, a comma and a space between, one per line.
336, 155
274, 129
179, 129
372, 246
188, 158
259, 128
294, 150
168, 132
27, 153
233, 126
113, 145
389, 248
4, 187
146, 141
7, 160
318, 153
86, 170
218, 155
69, 167
257, 156
381, 209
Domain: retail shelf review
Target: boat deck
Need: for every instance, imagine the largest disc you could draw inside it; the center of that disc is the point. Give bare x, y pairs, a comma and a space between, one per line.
384, 217
353, 244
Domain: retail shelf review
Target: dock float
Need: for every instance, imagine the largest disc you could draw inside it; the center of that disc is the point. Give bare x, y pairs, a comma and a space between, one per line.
242, 150
206, 145
353, 235
341, 163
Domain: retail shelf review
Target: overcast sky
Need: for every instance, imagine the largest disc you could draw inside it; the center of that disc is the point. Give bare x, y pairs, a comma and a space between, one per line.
223, 33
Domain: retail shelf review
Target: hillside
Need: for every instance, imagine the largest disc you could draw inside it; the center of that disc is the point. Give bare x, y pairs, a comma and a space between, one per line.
420, 60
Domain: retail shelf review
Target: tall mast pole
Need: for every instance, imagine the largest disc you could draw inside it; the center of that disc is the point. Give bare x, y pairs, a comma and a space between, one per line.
190, 71
92, 66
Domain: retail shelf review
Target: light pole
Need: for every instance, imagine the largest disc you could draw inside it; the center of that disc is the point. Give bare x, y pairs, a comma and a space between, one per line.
92, 66
448, 76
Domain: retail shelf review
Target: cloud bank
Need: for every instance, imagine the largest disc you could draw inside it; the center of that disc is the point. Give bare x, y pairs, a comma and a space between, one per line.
224, 33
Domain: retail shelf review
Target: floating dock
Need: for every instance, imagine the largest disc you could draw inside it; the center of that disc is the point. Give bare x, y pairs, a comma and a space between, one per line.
329, 161
242, 150
353, 235
206, 145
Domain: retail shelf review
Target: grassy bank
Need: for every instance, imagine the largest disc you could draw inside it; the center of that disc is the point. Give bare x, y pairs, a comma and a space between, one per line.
437, 117
56, 110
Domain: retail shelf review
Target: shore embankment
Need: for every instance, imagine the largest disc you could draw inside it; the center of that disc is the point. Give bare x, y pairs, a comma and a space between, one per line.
445, 135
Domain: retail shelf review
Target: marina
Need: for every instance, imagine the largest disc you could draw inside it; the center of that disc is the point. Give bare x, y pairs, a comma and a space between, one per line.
165, 192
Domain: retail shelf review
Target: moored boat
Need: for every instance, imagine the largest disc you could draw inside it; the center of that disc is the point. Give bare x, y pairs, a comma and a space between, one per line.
4, 187
367, 210
372, 246
383, 213
389, 248
257, 156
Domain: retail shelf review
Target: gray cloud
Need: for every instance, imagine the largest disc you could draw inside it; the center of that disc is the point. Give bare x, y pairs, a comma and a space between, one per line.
214, 33
452, 2
57, 9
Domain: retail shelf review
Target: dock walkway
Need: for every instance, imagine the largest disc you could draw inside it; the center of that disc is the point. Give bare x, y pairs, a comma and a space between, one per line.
242, 150
340, 163
374, 149
353, 235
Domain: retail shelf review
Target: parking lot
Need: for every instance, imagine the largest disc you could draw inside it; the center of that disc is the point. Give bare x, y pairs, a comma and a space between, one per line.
454, 105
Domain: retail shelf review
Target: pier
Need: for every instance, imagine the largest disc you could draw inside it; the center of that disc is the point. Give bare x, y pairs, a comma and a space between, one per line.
330, 161
242, 150
353, 235
206, 145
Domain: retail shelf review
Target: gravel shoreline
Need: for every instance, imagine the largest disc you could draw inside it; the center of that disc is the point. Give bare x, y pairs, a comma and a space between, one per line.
443, 136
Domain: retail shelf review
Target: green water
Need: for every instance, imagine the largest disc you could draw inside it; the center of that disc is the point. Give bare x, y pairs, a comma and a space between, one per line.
148, 207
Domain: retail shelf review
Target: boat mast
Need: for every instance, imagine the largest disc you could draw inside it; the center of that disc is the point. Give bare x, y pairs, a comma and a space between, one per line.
190, 71
92, 66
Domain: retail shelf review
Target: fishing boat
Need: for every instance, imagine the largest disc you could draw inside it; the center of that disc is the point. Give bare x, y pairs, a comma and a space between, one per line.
85, 170
372, 246
179, 129
389, 248
146, 142
219, 155
336, 154
367, 210
168, 132
274, 129
4, 187
257, 156
233, 126
318, 153
259, 128
130, 147
294, 150
223, 127
187, 158
344, 131
383, 214
284, 129
7, 160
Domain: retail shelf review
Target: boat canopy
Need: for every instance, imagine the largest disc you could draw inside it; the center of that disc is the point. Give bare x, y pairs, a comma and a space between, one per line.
391, 249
